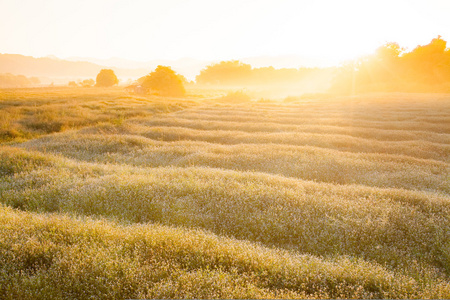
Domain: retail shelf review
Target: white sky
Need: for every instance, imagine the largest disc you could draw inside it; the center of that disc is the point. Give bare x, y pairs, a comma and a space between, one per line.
143, 30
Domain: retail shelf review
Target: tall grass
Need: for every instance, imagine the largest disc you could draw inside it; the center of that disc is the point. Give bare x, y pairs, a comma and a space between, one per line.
271, 127
389, 226
28, 113
55, 257
117, 144
112, 196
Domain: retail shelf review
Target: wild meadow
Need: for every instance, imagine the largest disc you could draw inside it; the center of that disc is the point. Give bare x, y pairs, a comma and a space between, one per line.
110, 195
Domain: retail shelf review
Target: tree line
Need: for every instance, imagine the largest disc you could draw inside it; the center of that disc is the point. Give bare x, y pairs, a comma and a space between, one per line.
235, 72
392, 69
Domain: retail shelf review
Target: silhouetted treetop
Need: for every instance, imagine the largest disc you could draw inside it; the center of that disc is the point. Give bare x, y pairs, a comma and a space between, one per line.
224, 72
164, 81
424, 69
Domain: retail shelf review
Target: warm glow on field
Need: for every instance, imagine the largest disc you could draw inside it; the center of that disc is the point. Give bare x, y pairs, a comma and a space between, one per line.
212, 149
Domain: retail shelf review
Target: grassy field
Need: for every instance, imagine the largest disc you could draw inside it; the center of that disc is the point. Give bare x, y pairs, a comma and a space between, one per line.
110, 195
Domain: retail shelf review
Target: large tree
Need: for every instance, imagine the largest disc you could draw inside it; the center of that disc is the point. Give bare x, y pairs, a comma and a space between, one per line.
164, 81
106, 78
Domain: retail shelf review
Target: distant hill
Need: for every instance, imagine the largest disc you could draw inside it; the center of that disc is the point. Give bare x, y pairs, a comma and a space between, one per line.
59, 70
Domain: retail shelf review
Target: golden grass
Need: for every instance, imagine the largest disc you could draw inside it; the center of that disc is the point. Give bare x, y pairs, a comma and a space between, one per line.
271, 127
55, 257
388, 226
176, 198
29, 113
414, 148
116, 144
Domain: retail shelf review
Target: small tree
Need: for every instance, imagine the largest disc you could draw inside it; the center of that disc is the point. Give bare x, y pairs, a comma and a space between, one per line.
165, 82
106, 78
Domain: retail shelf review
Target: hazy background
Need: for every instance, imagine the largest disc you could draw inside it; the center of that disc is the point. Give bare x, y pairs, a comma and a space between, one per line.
280, 33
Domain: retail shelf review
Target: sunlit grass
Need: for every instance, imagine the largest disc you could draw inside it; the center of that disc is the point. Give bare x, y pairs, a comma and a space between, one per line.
117, 144
47, 256
29, 113
388, 226
110, 195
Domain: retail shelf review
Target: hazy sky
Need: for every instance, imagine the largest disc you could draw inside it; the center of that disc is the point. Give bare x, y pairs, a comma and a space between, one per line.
216, 30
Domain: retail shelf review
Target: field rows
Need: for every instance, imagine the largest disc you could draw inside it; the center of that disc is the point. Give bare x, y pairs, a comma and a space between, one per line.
332, 198
303, 162
267, 126
267, 138
381, 225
